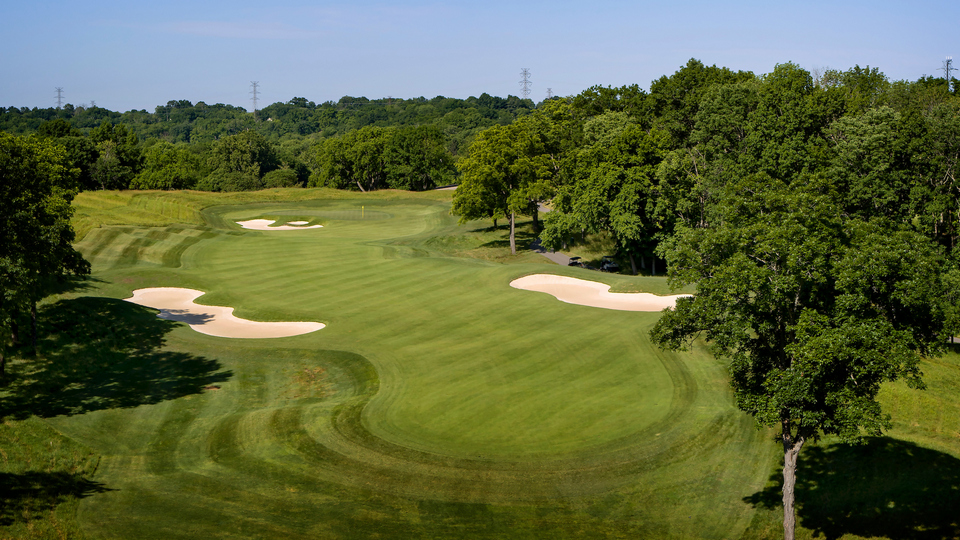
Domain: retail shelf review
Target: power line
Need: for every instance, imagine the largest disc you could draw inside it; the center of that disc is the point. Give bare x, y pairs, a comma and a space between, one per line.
947, 68
255, 85
59, 97
525, 83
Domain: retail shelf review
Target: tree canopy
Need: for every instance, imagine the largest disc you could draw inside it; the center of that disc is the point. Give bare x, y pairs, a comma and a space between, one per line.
814, 309
35, 231
510, 169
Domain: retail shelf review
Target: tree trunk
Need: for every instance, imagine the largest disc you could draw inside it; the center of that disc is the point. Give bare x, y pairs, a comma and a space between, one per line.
14, 330
536, 219
653, 265
513, 241
633, 264
494, 223
33, 326
791, 451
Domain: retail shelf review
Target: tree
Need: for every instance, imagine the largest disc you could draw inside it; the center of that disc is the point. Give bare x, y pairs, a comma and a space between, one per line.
281, 178
367, 155
488, 175
356, 158
57, 128
416, 159
870, 164
785, 127
81, 155
168, 166
507, 171
864, 88
614, 186
119, 156
813, 308
933, 147
675, 100
35, 232
239, 163
597, 100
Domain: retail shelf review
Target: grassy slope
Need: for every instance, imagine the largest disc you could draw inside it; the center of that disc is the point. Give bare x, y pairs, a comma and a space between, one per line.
158, 208
396, 420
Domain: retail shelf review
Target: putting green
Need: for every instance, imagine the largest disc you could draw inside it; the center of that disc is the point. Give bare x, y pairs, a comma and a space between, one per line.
437, 402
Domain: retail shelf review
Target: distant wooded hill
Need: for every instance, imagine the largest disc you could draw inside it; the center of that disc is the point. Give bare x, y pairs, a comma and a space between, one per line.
181, 121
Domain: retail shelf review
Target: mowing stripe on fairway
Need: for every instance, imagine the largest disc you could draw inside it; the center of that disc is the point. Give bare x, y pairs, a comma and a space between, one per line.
438, 402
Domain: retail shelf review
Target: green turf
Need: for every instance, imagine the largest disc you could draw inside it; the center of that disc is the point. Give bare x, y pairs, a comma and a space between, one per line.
437, 403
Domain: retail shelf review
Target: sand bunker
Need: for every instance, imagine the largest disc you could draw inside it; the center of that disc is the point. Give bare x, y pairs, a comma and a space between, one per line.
264, 225
177, 304
593, 294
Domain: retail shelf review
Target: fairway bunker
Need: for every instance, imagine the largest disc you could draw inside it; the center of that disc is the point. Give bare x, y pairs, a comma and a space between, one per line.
593, 294
177, 304
267, 225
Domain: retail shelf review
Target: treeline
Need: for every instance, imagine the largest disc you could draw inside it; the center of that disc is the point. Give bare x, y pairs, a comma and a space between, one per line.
112, 157
355, 143
180, 121
604, 155
636, 165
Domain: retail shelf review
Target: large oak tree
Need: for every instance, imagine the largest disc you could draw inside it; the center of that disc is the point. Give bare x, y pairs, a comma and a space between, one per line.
35, 231
509, 170
813, 308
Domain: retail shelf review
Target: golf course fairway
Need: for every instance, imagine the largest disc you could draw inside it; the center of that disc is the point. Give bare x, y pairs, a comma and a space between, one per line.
437, 401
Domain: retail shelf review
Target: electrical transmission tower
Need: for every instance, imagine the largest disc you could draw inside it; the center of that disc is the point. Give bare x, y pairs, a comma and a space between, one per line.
254, 85
59, 97
549, 93
525, 82
947, 68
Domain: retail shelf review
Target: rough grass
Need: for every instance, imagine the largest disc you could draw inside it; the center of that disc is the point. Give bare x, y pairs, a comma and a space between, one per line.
905, 485
438, 402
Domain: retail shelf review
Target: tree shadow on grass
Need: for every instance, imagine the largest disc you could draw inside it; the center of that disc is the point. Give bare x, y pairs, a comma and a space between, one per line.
71, 284
883, 488
523, 238
27, 495
101, 353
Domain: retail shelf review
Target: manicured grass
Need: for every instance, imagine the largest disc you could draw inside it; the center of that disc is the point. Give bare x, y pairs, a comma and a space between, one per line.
437, 403
157, 208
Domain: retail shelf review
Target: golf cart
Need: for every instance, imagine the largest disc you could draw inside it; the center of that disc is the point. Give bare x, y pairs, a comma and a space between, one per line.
607, 264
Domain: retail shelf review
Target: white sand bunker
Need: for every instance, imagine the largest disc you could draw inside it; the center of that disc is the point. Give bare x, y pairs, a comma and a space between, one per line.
177, 304
593, 294
265, 225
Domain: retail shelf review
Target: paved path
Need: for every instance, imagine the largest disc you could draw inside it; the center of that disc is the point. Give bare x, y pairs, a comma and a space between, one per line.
558, 258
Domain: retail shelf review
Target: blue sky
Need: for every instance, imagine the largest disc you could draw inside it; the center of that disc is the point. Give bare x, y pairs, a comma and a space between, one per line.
137, 55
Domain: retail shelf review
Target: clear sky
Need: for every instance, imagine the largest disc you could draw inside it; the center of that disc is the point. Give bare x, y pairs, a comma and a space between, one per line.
136, 55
